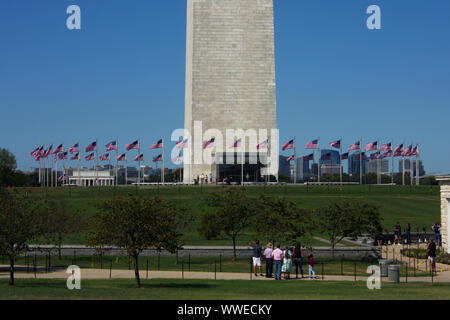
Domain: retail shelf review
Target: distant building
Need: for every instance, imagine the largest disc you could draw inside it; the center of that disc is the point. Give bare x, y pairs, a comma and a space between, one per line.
408, 163
330, 169
372, 166
303, 171
334, 157
284, 166
354, 164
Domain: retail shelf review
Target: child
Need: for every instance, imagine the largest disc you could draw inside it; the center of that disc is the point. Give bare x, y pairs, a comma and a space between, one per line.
312, 273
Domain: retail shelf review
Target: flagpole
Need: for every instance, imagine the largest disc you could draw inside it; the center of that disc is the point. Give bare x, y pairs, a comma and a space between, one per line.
417, 166
295, 160
139, 162
117, 161
242, 161
340, 160
126, 170
411, 171
378, 163
392, 157
403, 164
318, 162
360, 161
162, 168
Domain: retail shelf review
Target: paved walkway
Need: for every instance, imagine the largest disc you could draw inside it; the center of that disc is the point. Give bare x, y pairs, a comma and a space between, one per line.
389, 252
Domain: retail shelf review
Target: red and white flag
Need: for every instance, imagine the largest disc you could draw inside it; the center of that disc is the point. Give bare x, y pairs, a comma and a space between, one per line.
177, 159
75, 157
387, 154
386, 147
209, 143
74, 148
182, 144
63, 155
48, 151
111, 146
60, 179
398, 152
34, 152
407, 152
289, 159
263, 145
158, 145
90, 157
336, 144
158, 158
309, 157
355, 146
92, 147
344, 156
58, 149
372, 146
374, 156
312, 144
139, 157
236, 144
288, 145
133, 145
122, 157
105, 157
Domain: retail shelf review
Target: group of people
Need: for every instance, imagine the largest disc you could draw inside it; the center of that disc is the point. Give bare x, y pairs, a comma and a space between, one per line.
279, 262
436, 228
203, 179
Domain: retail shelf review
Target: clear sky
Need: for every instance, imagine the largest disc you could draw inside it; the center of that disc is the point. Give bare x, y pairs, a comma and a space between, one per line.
123, 74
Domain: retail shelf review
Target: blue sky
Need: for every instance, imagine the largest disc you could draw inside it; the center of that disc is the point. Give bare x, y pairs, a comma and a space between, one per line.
123, 74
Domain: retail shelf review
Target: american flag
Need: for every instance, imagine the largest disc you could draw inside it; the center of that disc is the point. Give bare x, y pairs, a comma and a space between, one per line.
288, 145
63, 155
336, 144
289, 159
309, 157
139, 157
111, 146
374, 156
76, 156
92, 147
60, 179
386, 147
415, 151
181, 144
209, 143
74, 148
157, 145
58, 149
263, 145
133, 145
236, 144
358, 156
372, 146
33, 153
40, 152
344, 156
407, 152
105, 157
312, 144
48, 151
157, 158
355, 146
398, 152
177, 159
387, 154
90, 157
326, 156
37, 157
122, 157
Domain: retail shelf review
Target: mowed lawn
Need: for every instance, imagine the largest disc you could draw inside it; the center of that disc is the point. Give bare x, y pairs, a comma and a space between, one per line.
161, 289
418, 205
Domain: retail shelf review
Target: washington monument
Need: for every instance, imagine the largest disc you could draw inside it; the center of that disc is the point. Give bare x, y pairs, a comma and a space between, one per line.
230, 73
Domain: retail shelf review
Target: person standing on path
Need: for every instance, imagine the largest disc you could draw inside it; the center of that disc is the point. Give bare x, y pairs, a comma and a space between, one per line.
312, 273
408, 233
397, 233
256, 257
431, 253
287, 264
298, 255
269, 261
277, 256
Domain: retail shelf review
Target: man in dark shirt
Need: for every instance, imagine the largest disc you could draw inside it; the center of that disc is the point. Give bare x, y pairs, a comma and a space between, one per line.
408, 233
256, 257
431, 252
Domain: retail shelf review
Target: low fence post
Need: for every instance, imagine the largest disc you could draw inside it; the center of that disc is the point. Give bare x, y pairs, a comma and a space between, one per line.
322, 271
146, 271
354, 269
110, 267
215, 270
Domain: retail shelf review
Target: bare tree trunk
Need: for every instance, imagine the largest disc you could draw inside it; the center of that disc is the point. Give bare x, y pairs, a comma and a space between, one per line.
11, 271
332, 250
234, 248
136, 270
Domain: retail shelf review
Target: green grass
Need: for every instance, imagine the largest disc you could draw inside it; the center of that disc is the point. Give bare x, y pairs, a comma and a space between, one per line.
162, 289
418, 205
206, 264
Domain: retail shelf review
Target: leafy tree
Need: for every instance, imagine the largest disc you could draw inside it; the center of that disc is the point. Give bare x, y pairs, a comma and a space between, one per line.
135, 224
281, 220
232, 214
340, 220
7, 167
22, 220
62, 221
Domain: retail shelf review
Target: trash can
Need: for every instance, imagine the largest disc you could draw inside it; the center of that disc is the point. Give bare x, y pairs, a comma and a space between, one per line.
394, 273
384, 264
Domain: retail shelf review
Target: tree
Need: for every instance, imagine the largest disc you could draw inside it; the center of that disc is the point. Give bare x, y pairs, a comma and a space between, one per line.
62, 221
7, 167
281, 220
135, 224
21, 221
231, 215
340, 220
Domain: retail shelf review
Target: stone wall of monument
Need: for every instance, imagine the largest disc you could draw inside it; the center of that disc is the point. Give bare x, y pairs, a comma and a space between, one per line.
445, 203
230, 67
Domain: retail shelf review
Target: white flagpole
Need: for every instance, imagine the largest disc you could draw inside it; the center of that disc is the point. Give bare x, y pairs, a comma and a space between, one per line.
162, 167
117, 162
360, 162
242, 162
139, 162
403, 164
318, 162
295, 160
340, 160
411, 170
378, 164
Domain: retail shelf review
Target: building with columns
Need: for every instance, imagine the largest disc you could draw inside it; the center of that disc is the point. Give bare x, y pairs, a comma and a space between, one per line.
86, 178
445, 210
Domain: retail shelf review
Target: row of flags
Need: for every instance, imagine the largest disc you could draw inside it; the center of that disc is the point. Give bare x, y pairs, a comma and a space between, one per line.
387, 148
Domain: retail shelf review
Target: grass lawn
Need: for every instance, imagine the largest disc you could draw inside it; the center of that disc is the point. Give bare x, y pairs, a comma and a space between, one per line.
43, 289
418, 205
206, 264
